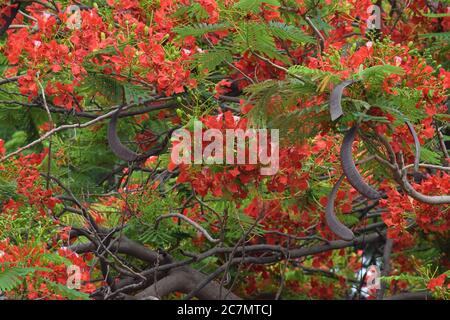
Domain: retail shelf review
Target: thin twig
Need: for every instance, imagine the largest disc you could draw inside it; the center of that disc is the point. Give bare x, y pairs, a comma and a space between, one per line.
192, 223
317, 32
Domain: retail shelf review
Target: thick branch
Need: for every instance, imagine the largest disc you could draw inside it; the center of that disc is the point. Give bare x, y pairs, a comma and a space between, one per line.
185, 280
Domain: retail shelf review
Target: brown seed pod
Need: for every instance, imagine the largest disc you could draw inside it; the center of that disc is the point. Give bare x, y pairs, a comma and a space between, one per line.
336, 98
349, 167
330, 216
114, 142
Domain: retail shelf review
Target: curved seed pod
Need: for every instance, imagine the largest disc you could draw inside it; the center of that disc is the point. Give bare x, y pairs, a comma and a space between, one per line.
8, 19
330, 217
114, 142
336, 98
349, 168
416, 143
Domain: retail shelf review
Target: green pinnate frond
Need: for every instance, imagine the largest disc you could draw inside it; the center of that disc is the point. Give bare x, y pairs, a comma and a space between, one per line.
255, 37
66, 292
214, 57
289, 32
247, 6
11, 278
378, 73
199, 29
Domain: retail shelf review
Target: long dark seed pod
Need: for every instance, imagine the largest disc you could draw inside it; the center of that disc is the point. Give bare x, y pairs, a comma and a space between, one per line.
336, 98
6, 20
416, 143
330, 217
349, 168
114, 142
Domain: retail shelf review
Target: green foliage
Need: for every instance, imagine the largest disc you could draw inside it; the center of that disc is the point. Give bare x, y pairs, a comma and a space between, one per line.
289, 32
436, 15
3, 63
378, 73
255, 38
7, 189
66, 292
135, 93
291, 124
115, 91
270, 108
18, 139
247, 6
11, 278
284, 74
214, 57
109, 87
429, 156
313, 74
55, 258
199, 29
440, 36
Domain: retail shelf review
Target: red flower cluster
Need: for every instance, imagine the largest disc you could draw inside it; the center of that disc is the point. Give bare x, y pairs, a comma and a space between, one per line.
38, 283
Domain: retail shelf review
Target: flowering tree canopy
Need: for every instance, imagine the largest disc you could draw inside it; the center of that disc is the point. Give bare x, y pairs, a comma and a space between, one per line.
352, 95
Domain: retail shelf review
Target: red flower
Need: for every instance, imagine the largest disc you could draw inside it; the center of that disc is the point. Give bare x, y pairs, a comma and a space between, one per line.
2, 147
223, 87
437, 282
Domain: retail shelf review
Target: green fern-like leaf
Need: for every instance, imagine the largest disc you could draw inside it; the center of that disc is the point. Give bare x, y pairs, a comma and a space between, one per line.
441, 36
11, 278
436, 15
135, 93
378, 73
115, 90
112, 89
247, 6
255, 37
286, 94
66, 292
55, 258
429, 156
199, 29
7, 189
292, 124
214, 57
313, 74
289, 32
4, 63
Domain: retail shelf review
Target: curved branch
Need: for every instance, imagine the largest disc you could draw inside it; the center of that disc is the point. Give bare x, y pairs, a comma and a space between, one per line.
185, 280
429, 166
434, 200
417, 145
124, 246
317, 32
